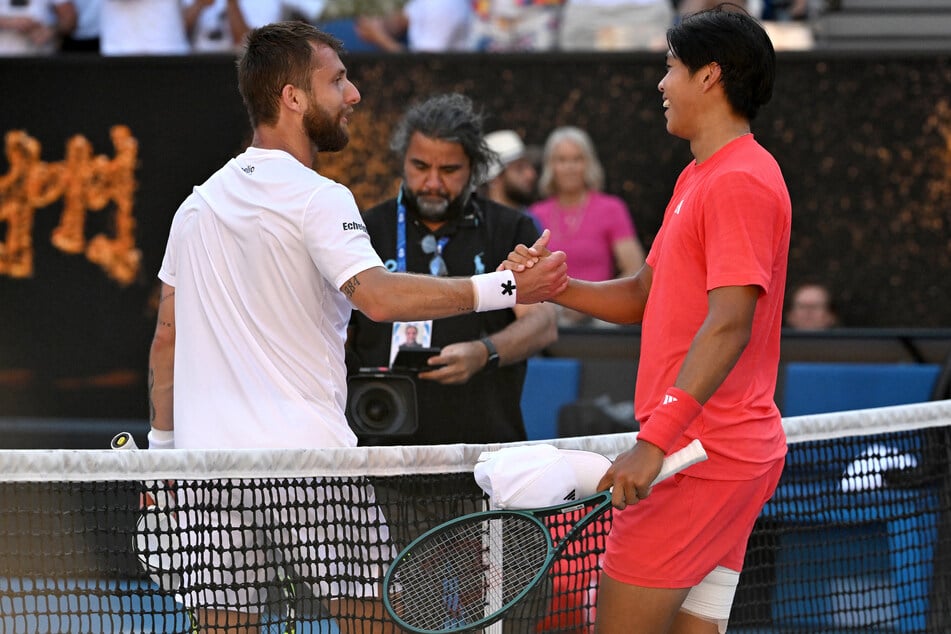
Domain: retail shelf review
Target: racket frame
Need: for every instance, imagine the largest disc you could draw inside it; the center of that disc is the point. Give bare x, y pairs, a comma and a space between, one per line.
676, 462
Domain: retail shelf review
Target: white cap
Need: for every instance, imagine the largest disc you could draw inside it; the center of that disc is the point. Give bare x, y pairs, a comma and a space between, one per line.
508, 145
536, 476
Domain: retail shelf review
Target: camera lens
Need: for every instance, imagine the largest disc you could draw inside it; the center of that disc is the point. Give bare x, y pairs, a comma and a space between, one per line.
381, 405
378, 407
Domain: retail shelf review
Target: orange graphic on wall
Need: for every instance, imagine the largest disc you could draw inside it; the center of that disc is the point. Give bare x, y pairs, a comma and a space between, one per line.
85, 183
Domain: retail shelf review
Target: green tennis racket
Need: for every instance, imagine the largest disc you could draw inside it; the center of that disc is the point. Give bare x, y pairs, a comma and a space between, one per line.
467, 573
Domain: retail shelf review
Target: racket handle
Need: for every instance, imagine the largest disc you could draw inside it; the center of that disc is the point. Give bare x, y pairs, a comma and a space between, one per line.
123, 440
681, 459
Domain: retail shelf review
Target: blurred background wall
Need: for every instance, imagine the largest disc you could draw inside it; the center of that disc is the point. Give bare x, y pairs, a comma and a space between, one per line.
864, 140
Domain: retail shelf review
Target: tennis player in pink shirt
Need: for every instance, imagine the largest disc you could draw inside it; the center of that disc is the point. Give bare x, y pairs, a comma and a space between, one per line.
710, 300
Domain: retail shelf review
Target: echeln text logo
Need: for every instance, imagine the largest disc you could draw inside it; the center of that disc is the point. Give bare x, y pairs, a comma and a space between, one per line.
354, 226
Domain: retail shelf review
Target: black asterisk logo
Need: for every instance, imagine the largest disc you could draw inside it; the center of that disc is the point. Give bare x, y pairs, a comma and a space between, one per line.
508, 288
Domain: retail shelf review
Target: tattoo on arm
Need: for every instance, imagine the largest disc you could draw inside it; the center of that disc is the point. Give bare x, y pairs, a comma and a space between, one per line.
350, 287
151, 403
171, 293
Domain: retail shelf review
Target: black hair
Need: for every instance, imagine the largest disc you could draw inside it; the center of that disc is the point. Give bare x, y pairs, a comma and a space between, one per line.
276, 55
450, 117
738, 43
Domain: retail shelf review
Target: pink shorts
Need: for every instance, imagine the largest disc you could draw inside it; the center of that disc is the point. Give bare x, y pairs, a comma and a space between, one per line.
685, 528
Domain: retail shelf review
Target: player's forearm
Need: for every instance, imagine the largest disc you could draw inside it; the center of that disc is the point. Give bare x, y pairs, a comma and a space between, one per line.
719, 342
160, 392
384, 296
619, 301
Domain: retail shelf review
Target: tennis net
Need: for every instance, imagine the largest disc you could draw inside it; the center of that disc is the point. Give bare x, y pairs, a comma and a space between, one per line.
856, 538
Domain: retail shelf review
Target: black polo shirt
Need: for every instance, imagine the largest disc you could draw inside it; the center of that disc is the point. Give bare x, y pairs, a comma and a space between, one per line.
487, 408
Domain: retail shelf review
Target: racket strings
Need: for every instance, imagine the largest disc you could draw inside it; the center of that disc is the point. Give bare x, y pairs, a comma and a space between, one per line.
468, 572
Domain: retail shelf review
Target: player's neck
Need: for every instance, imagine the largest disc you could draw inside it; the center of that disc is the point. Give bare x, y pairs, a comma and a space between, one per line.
273, 138
713, 138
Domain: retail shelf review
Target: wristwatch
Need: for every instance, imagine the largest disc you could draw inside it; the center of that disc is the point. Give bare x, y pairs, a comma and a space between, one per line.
493, 362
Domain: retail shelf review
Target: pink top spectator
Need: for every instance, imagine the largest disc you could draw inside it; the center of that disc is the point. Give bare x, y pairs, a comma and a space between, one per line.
587, 233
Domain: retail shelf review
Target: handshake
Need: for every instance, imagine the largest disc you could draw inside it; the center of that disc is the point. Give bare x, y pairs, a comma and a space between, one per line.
540, 274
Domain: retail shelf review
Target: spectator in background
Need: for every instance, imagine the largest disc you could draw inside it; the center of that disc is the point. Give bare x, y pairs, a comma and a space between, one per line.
34, 28
421, 26
615, 25
220, 26
811, 308
522, 25
594, 229
85, 37
143, 27
443, 155
512, 178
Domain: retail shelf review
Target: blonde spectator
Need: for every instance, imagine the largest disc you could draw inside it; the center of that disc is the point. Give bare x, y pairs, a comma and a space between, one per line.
595, 229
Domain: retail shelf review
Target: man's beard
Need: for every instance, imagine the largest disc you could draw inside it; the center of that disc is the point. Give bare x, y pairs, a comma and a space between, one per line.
436, 207
324, 131
517, 195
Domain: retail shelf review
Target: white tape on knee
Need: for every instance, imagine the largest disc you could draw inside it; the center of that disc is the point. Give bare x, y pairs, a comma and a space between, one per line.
712, 598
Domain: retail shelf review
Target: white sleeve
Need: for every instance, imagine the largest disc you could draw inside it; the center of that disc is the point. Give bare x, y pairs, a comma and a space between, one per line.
336, 235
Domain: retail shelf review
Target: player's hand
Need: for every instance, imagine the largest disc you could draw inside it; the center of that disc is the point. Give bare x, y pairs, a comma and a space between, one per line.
632, 474
544, 280
523, 257
459, 362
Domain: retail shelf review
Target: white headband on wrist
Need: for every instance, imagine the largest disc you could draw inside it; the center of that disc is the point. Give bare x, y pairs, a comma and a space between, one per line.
494, 291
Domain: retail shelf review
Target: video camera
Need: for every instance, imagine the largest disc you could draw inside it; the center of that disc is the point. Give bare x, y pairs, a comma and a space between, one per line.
381, 402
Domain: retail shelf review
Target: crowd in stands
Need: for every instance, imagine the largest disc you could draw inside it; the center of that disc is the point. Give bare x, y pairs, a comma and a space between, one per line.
177, 27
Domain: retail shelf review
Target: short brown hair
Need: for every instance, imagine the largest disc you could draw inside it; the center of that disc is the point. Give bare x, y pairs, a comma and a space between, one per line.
276, 55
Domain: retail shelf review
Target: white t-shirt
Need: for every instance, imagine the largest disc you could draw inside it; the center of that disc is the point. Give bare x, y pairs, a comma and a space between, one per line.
257, 255
438, 25
212, 33
15, 43
142, 27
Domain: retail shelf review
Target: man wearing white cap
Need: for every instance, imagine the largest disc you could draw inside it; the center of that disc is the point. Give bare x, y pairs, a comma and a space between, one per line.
512, 178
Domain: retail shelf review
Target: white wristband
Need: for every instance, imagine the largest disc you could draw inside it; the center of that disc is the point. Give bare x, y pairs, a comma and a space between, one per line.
161, 439
494, 291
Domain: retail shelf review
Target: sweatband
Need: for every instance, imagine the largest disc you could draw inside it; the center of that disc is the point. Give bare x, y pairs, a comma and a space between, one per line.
670, 419
494, 291
161, 439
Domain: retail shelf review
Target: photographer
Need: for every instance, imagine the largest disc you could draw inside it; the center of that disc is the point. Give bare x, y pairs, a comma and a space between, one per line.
473, 392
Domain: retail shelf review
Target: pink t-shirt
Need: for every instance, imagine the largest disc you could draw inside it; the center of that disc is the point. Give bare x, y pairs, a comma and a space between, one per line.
587, 235
727, 224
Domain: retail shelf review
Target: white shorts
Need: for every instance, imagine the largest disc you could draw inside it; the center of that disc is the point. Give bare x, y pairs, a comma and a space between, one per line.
712, 598
236, 535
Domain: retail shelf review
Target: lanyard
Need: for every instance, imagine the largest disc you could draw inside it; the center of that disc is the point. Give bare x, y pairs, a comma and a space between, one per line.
401, 236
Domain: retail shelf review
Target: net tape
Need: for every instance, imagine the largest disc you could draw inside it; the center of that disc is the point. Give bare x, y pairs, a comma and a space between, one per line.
82, 465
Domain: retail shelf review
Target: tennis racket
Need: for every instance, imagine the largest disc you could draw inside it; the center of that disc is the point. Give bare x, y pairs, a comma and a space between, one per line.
467, 573
158, 547
156, 539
